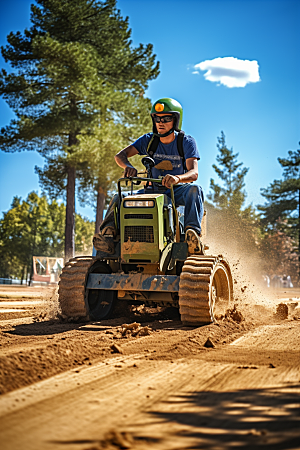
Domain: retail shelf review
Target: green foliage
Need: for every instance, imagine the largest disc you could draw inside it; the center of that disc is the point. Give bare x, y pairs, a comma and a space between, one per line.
35, 227
280, 216
232, 229
281, 210
70, 68
84, 231
66, 65
278, 254
119, 125
117, 130
231, 195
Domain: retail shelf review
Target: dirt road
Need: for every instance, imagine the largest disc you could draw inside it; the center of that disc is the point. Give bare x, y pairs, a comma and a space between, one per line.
157, 385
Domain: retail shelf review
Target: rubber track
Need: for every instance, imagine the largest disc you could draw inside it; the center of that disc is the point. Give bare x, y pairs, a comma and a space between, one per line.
194, 290
71, 290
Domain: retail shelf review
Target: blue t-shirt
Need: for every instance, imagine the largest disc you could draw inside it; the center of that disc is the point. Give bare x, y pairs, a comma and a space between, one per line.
168, 152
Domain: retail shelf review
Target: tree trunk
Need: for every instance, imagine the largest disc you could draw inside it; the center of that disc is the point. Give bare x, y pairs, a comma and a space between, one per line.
70, 216
22, 274
70, 206
100, 209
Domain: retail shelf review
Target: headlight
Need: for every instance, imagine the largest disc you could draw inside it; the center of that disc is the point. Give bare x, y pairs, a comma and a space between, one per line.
138, 203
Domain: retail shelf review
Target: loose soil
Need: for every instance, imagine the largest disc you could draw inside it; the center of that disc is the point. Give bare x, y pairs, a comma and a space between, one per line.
145, 381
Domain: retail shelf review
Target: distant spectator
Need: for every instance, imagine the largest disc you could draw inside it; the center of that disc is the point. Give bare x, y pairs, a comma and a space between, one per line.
276, 282
266, 280
286, 281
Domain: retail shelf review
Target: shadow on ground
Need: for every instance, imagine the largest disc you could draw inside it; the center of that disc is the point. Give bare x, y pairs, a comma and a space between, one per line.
257, 418
169, 316
43, 328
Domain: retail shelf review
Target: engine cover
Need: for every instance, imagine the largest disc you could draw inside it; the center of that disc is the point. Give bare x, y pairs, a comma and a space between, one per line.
142, 228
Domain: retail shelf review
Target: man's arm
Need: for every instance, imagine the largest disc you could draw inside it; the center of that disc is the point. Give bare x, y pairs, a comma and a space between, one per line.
187, 177
121, 159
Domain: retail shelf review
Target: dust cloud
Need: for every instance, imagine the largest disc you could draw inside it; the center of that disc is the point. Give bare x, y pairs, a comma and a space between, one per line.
228, 236
50, 305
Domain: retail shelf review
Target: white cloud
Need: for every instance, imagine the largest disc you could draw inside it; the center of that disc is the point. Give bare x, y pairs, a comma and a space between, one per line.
229, 71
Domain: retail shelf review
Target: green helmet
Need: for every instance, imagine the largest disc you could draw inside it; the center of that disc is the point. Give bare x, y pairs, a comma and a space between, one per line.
168, 105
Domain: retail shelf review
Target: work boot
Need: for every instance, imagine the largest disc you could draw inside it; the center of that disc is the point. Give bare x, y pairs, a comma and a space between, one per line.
104, 241
195, 246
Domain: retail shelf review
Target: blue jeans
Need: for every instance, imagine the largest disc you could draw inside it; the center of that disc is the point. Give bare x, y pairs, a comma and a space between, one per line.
191, 197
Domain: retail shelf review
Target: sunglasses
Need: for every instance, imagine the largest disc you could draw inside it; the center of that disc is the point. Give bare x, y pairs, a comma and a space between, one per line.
162, 119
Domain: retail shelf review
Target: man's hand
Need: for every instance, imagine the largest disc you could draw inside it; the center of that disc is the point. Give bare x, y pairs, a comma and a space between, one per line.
130, 171
122, 160
168, 180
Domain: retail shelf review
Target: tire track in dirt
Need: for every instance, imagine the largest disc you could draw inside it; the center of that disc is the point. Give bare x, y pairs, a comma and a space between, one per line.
96, 399
52, 349
156, 402
166, 391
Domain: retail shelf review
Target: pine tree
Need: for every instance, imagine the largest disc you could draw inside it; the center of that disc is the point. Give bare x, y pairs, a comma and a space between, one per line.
232, 227
231, 196
119, 125
278, 254
281, 212
65, 67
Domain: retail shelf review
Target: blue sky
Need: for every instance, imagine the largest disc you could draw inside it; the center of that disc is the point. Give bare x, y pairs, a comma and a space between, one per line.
260, 120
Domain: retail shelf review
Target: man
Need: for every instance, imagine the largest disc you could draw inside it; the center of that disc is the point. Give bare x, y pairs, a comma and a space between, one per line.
166, 114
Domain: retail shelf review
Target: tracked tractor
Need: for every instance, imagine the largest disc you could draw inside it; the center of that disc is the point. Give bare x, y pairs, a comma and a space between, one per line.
150, 264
